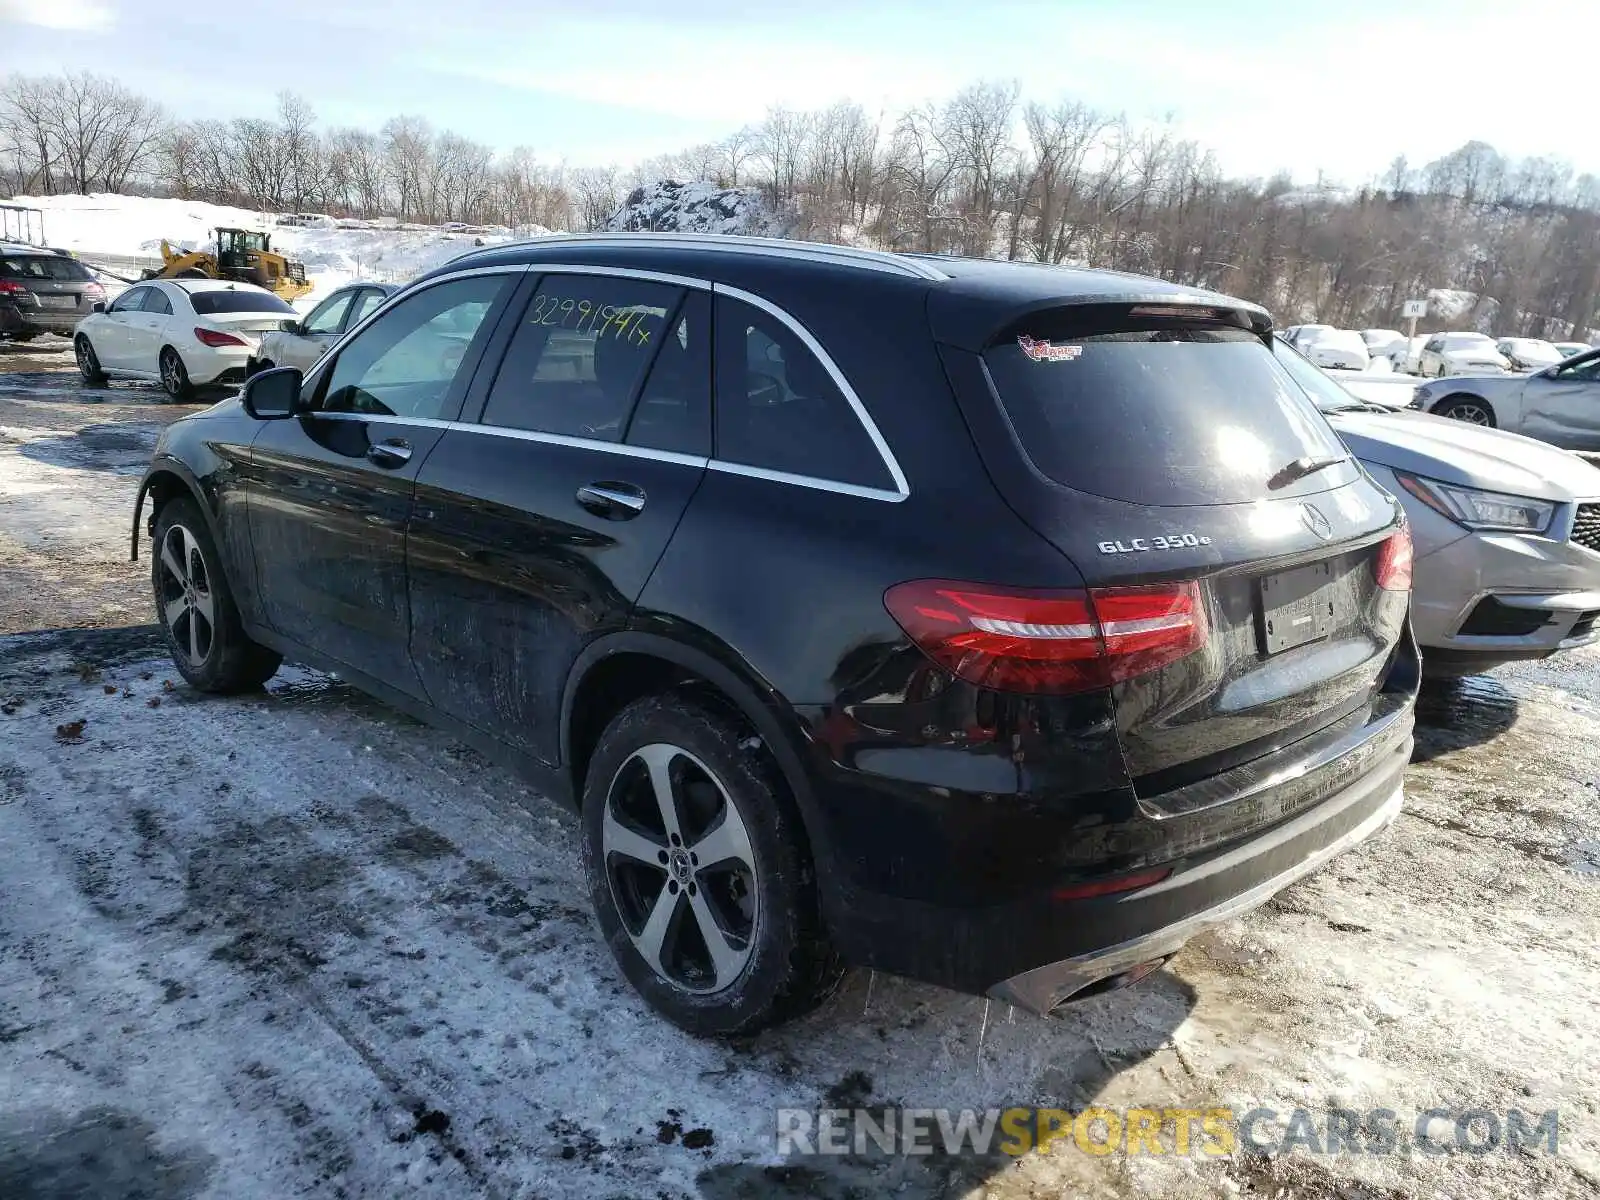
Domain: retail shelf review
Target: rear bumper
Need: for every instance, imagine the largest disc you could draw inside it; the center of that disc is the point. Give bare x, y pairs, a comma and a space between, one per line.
30, 320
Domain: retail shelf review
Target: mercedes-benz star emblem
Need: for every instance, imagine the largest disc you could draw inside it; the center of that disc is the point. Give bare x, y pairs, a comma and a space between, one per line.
1316, 522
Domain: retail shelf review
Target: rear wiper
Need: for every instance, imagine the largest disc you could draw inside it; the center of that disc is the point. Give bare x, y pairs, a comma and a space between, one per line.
1299, 469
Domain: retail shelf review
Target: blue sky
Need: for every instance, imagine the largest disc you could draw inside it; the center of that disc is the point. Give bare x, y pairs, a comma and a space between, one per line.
1340, 90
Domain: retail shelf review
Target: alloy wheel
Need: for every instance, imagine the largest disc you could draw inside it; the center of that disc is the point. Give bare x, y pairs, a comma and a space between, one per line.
184, 595
677, 857
171, 373
86, 364
1473, 414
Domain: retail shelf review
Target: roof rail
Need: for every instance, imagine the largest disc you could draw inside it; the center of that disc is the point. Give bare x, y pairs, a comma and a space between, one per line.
872, 260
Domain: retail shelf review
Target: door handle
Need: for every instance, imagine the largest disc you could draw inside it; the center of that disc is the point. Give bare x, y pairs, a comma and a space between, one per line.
613, 501
391, 452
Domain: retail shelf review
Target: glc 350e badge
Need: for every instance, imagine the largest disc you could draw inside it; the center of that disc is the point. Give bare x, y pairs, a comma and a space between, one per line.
1172, 541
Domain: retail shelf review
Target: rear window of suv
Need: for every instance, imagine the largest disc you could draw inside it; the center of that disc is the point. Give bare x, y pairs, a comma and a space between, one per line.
43, 266
1156, 412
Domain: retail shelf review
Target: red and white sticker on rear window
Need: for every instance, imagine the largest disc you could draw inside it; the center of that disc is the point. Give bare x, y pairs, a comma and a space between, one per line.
1041, 350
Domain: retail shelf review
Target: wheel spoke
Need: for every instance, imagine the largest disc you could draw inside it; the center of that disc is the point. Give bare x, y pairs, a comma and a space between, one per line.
181, 574
173, 609
195, 657
617, 838
658, 758
729, 840
726, 959
652, 938
203, 605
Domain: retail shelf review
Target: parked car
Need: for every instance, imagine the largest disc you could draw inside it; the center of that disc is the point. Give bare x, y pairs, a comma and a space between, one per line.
1460, 354
1336, 348
1302, 335
1409, 358
1528, 354
182, 333
300, 342
43, 291
1559, 405
1387, 389
1384, 344
832, 666
1506, 529
1568, 349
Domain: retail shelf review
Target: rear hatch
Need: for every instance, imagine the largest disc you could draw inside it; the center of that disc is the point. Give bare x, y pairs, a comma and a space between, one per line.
50, 283
1163, 448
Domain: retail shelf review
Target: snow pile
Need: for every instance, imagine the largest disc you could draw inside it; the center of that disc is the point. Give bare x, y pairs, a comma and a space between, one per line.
1449, 304
671, 207
333, 252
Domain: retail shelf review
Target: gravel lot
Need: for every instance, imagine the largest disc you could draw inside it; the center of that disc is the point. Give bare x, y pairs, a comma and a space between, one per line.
294, 944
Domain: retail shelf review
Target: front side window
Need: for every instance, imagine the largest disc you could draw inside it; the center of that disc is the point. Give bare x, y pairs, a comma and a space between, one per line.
579, 355
1581, 372
328, 317
779, 409
409, 362
131, 300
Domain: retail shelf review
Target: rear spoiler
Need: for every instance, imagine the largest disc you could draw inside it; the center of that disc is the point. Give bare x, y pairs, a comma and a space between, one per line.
973, 322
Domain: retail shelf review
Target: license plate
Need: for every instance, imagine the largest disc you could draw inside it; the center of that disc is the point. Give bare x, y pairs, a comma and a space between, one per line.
48, 301
1297, 607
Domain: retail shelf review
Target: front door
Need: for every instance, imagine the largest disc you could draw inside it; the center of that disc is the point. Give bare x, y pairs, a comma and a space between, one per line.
109, 335
330, 491
1562, 407
537, 525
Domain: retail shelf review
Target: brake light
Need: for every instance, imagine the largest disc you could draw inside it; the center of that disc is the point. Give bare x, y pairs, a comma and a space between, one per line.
10, 287
215, 337
1015, 640
1394, 562
94, 290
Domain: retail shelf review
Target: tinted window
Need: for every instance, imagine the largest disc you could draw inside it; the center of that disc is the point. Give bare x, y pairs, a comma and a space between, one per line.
43, 266
131, 300
1153, 411
1585, 370
779, 409
674, 409
367, 302
408, 361
328, 317
156, 302
226, 300
579, 355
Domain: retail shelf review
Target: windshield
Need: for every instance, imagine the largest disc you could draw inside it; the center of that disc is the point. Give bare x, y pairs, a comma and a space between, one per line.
1154, 412
226, 300
1324, 392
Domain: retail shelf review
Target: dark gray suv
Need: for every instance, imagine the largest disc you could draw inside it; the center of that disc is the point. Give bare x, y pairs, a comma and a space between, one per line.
43, 291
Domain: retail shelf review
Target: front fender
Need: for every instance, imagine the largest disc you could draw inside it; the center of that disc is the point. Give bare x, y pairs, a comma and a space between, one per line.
165, 464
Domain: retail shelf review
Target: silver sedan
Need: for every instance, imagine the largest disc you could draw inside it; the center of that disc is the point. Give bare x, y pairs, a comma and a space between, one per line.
1506, 529
1559, 405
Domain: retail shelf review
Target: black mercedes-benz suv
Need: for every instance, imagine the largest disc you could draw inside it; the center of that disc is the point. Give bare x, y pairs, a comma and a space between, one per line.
993, 624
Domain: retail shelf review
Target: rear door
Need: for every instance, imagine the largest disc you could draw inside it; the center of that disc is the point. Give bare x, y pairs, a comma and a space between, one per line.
330, 492
538, 523
1563, 407
1157, 449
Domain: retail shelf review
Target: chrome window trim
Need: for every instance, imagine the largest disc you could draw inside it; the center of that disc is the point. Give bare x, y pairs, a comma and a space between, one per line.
902, 489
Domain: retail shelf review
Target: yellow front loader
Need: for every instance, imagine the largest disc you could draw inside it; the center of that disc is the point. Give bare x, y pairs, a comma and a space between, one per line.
241, 255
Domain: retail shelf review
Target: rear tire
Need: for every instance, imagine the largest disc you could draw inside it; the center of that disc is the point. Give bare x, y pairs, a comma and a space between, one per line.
174, 375
655, 888
1465, 408
194, 606
88, 361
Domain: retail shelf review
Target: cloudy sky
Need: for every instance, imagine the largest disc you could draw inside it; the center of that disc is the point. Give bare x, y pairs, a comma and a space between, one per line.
1340, 90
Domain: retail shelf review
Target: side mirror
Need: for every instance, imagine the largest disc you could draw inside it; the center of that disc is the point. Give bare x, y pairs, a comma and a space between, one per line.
272, 395
289, 326
98, 306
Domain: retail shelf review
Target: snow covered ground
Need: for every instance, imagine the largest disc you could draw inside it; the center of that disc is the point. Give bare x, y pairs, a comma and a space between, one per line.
135, 225
294, 944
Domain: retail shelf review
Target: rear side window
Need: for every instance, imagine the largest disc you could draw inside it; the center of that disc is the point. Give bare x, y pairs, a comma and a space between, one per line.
156, 302
674, 409
224, 300
1155, 412
580, 354
779, 409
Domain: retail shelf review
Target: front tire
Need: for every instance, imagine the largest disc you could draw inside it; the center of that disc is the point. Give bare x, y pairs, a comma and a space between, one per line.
194, 605
88, 361
174, 375
1464, 408
699, 872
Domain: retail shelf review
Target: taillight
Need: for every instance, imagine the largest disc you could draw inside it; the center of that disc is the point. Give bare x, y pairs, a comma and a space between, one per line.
1015, 640
10, 287
215, 337
1394, 562
94, 290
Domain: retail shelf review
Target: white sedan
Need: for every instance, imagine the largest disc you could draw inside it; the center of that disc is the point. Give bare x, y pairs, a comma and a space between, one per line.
1335, 348
182, 333
1460, 354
